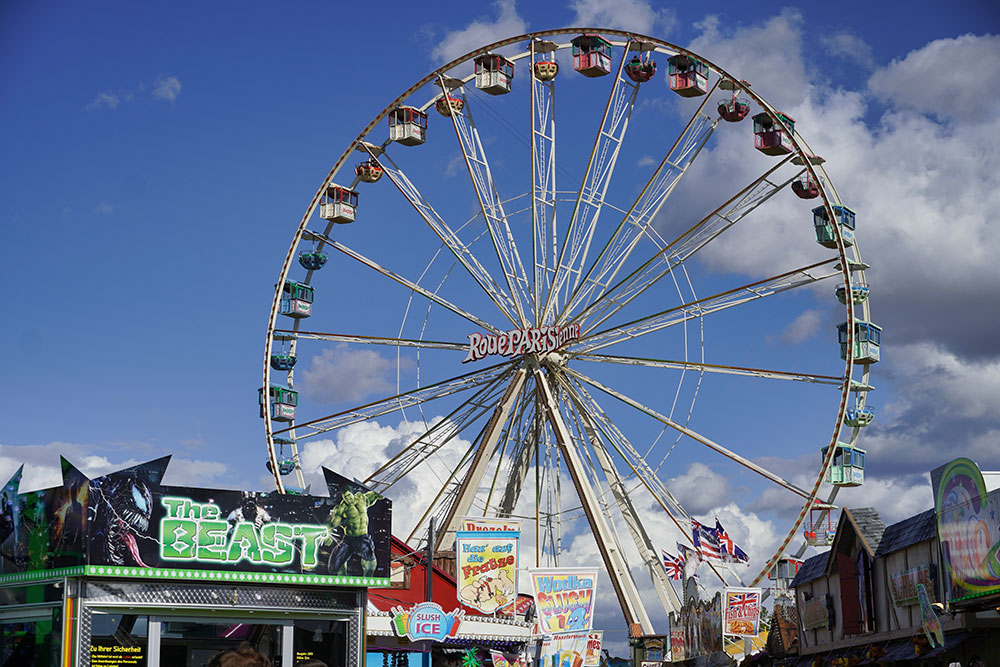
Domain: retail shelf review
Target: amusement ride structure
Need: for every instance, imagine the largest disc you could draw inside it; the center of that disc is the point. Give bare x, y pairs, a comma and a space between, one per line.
569, 298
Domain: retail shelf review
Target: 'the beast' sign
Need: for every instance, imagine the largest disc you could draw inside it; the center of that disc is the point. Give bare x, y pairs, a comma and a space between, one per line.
521, 341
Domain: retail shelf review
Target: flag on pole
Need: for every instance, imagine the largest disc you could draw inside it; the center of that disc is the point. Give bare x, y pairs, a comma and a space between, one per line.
731, 551
706, 541
673, 565
690, 559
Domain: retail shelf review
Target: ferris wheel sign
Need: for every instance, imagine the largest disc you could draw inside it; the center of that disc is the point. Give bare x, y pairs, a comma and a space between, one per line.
521, 341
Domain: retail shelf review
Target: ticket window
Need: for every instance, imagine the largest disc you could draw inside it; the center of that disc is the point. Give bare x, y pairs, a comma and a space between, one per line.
324, 640
119, 639
186, 642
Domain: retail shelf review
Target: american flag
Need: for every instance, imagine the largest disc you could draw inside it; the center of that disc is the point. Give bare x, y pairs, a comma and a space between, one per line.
706, 541
730, 551
673, 565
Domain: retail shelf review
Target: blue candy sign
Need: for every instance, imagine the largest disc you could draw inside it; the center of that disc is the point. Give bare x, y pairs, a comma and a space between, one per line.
426, 621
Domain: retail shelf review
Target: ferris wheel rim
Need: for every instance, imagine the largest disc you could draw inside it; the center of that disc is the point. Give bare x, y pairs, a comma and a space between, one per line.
816, 171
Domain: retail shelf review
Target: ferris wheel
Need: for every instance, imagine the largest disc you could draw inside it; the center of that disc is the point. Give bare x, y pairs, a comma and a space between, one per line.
531, 304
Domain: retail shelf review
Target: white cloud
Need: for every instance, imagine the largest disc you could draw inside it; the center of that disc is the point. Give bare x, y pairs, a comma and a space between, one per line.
106, 100
802, 327
104, 208
481, 32
768, 55
345, 373
698, 488
947, 78
849, 46
360, 449
167, 88
634, 15
646, 161
41, 465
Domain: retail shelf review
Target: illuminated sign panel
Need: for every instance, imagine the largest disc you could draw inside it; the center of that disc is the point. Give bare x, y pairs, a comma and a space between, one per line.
521, 341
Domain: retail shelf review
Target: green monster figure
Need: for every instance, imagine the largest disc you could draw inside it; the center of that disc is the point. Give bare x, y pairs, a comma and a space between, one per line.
351, 515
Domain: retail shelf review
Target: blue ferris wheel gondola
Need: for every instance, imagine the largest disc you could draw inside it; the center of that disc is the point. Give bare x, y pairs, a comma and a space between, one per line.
313, 261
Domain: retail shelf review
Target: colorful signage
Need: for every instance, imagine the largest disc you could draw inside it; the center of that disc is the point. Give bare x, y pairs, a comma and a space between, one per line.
968, 528
489, 523
500, 660
521, 341
741, 612
564, 598
700, 626
816, 614
568, 649
903, 585
592, 658
426, 621
486, 569
127, 524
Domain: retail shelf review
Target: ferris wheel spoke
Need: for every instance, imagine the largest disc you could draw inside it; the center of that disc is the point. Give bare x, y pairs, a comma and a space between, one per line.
429, 443
401, 401
617, 567
515, 431
681, 249
481, 176
354, 254
441, 229
488, 439
599, 420
593, 189
697, 437
713, 368
706, 306
639, 217
543, 173
374, 340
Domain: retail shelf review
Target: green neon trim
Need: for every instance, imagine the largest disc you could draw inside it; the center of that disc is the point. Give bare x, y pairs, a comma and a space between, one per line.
258, 577
35, 575
977, 595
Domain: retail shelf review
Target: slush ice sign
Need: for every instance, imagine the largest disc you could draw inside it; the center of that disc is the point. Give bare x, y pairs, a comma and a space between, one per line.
564, 598
426, 620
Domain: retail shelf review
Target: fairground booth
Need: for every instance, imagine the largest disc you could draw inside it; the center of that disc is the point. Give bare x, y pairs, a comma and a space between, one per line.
124, 571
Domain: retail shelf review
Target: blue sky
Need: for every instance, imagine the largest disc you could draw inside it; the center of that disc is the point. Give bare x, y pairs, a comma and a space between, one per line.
158, 158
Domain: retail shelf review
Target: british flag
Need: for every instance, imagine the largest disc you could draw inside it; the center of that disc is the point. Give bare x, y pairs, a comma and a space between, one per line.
674, 565
706, 541
730, 551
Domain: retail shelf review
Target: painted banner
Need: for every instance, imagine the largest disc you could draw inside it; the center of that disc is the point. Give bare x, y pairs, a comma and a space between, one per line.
700, 626
968, 521
486, 569
903, 585
564, 598
500, 660
489, 523
592, 658
570, 649
741, 612
128, 524
677, 642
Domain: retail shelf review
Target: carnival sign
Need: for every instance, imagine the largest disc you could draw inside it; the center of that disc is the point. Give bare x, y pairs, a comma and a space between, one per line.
564, 598
700, 625
486, 569
968, 520
521, 341
129, 524
816, 614
571, 649
904, 585
470, 523
741, 612
426, 621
